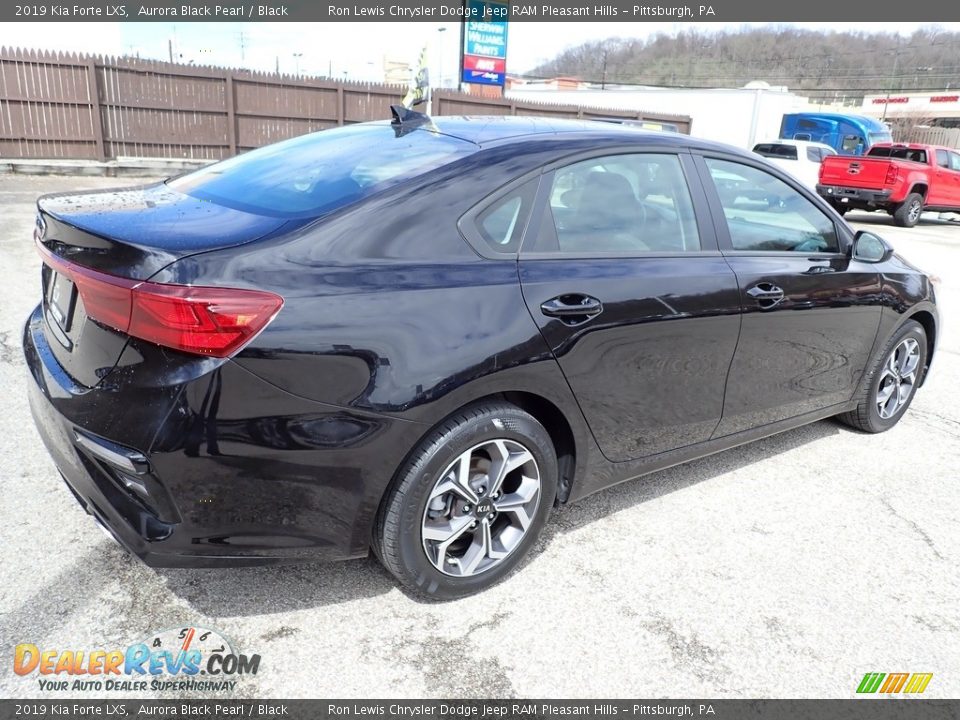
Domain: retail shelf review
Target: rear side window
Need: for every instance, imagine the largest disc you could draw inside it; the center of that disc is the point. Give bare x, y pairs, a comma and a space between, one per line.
624, 204
500, 225
943, 158
776, 150
813, 154
314, 174
899, 153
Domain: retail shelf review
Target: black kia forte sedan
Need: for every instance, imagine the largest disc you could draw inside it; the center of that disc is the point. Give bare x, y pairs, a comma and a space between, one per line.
419, 336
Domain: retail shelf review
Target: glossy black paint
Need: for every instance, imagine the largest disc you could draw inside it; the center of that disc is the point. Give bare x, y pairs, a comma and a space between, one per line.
392, 322
664, 342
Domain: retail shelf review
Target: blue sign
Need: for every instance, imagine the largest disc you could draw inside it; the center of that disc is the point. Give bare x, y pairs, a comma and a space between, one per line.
484, 37
484, 78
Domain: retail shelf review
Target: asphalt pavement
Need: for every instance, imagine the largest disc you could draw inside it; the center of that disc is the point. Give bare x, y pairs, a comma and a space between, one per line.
785, 568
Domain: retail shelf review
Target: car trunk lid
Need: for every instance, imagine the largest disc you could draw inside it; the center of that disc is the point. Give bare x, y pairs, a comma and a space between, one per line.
114, 240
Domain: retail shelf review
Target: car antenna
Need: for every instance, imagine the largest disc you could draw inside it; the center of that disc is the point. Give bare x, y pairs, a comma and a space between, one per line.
405, 119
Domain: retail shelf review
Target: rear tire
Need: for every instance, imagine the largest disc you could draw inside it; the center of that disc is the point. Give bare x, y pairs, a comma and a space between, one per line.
840, 208
890, 385
453, 523
908, 214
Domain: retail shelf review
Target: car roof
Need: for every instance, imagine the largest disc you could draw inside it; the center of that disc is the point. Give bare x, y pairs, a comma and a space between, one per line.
488, 131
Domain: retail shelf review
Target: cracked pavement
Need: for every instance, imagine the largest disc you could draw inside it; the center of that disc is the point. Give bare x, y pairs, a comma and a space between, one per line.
784, 568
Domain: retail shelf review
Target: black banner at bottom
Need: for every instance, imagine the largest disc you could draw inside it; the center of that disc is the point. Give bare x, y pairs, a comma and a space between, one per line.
857, 709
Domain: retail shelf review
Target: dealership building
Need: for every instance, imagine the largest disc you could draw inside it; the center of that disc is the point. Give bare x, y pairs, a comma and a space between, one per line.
939, 109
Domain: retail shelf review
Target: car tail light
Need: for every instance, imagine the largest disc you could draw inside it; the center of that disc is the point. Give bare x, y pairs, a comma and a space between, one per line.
201, 320
820, 172
892, 173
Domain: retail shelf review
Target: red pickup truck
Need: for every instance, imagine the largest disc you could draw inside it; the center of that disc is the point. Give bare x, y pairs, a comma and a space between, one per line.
904, 180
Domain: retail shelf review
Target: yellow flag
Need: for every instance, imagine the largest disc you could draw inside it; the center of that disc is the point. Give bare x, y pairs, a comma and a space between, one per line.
419, 91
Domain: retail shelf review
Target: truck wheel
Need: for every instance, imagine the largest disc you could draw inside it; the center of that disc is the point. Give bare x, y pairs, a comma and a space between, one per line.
908, 214
841, 208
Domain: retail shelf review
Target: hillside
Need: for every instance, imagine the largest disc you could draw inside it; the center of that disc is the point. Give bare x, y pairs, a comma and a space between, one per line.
827, 64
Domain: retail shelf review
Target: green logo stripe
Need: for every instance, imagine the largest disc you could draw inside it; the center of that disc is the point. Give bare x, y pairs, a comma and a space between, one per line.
870, 682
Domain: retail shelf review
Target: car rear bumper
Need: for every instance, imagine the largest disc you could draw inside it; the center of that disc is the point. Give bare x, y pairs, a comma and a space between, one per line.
255, 476
861, 197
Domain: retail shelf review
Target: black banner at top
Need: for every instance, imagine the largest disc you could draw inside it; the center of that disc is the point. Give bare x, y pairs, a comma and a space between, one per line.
625, 11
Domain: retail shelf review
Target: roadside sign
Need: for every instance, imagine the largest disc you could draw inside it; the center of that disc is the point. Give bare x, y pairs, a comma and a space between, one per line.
485, 43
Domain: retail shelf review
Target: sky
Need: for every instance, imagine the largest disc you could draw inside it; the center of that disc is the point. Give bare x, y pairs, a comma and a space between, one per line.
353, 50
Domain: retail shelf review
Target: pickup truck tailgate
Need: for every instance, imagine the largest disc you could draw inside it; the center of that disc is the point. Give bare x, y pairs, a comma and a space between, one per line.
857, 172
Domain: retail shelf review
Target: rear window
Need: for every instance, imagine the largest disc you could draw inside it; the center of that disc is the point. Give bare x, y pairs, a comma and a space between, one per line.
314, 174
899, 153
776, 150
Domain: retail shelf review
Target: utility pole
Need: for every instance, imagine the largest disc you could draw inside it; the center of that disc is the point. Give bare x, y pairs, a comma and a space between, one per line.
896, 65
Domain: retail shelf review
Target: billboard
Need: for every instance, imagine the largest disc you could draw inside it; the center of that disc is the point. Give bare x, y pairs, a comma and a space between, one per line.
484, 43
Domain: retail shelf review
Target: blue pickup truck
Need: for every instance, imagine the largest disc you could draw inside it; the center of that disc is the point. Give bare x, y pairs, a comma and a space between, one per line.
847, 134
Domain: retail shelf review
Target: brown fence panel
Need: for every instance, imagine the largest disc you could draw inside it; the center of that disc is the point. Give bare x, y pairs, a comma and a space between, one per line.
155, 109
59, 105
948, 137
269, 108
45, 106
451, 103
369, 102
254, 132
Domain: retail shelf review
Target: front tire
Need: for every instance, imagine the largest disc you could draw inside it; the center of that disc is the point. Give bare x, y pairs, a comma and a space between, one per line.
469, 503
889, 387
908, 214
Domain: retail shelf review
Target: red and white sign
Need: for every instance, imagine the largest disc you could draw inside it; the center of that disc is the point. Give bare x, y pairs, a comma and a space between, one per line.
484, 64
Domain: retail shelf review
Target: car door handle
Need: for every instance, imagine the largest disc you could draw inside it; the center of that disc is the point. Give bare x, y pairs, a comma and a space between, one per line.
572, 309
819, 270
766, 294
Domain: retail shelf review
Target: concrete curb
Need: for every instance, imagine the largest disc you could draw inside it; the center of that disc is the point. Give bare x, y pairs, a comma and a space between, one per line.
121, 167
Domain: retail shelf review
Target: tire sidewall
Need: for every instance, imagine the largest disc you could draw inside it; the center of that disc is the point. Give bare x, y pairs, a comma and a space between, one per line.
910, 329
903, 213
502, 424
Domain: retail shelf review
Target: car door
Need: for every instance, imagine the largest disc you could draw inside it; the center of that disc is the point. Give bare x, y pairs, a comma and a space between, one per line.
810, 312
621, 272
952, 190
941, 180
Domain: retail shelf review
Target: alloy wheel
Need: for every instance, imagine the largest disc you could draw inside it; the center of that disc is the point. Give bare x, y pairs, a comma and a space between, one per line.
898, 378
915, 209
481, 507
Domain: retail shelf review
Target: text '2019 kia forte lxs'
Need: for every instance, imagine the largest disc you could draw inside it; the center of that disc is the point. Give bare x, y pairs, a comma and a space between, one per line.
420, 336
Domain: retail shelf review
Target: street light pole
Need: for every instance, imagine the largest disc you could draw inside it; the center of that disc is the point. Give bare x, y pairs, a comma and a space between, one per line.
440, 32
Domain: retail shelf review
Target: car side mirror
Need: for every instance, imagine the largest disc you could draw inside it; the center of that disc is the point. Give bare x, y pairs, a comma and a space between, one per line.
870, 248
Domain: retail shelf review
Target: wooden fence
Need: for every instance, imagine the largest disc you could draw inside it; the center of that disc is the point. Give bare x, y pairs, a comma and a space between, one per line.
65, 105
949, 137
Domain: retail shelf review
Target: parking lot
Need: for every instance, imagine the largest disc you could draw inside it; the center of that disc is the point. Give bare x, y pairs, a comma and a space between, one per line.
786, 568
